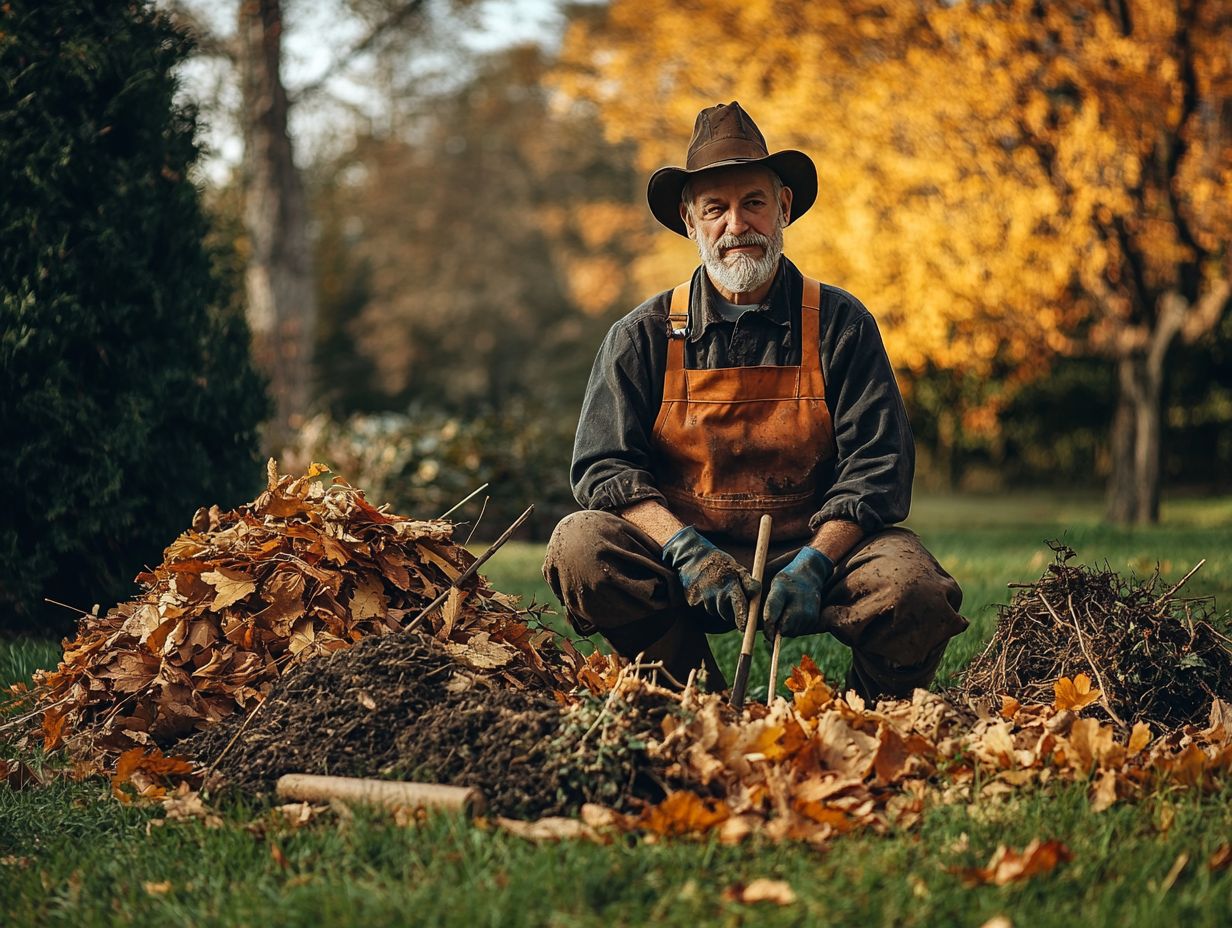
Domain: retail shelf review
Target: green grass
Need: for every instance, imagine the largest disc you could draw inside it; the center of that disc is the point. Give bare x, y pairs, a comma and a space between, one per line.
69, 855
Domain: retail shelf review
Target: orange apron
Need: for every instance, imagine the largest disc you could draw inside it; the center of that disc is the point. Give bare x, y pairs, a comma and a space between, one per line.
734, 442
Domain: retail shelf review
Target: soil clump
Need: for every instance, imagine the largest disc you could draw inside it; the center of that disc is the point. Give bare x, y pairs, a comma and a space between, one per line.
401, 707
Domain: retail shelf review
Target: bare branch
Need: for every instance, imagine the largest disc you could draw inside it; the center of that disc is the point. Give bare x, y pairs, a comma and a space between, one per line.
400, 15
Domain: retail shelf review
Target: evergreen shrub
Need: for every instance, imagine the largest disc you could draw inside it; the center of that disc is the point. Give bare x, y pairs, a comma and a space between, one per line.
127, 397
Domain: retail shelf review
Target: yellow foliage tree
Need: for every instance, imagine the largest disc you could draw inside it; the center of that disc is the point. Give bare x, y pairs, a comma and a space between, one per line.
1001, 181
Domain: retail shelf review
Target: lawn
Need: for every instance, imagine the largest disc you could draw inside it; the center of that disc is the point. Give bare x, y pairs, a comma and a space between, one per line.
70, 855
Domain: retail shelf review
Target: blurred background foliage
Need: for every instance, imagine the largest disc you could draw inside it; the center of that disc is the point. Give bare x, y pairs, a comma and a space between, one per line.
1013, 189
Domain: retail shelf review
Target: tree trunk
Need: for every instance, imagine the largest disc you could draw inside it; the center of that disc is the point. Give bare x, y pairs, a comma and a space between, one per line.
1133, 490
279, 284
1137, 426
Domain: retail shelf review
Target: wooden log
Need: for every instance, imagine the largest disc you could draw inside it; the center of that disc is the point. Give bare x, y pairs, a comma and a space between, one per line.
393, 794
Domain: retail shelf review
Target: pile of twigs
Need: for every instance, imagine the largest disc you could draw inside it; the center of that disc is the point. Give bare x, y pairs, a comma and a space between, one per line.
1154, 656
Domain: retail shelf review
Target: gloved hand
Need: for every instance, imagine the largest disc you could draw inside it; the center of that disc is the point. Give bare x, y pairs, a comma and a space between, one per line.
712, 578
793, 605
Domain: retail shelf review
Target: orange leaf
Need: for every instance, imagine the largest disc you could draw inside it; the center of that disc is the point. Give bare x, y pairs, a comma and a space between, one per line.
1075, 694
683, 813
53, 729
1009, 707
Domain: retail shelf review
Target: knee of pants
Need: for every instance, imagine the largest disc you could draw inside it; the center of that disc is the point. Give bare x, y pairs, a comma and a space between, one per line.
573, 542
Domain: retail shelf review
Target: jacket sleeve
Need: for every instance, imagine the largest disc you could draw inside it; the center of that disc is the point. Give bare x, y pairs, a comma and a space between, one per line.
611, 452
875, 463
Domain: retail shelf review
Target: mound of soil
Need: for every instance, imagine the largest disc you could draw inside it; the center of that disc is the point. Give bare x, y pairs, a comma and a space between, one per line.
1155, 657
401, 707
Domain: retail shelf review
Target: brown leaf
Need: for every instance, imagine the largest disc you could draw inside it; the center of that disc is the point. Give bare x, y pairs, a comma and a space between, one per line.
1105, 793
231, 586
1008, 866
18, 775
761, 889
1221, 859
844, 749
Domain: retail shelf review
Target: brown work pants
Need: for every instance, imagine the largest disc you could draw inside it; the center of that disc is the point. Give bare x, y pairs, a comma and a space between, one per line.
890, 602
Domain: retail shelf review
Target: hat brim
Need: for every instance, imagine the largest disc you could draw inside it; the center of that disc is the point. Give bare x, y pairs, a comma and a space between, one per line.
794, 168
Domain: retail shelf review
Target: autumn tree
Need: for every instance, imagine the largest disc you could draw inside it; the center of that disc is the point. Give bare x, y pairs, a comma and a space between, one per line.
1002, 182
487, 243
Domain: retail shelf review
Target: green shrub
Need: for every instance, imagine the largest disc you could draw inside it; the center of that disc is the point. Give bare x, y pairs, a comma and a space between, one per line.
424, 461
127, 397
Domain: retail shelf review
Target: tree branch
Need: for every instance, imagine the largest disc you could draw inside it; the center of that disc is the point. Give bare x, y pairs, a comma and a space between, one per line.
397, 17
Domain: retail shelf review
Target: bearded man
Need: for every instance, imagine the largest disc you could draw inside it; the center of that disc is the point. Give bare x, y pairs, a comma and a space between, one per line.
748, 389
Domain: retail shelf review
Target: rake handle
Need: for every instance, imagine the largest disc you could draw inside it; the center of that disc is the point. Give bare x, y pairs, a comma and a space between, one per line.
744, 664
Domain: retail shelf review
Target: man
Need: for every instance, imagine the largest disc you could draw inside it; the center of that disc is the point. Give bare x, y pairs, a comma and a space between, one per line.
748, 389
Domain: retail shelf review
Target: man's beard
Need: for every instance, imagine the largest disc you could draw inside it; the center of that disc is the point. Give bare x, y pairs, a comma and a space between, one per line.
739, 272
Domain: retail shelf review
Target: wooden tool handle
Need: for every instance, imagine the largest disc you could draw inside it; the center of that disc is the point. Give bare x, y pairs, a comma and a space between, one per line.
389, 793
744, 664
774, 670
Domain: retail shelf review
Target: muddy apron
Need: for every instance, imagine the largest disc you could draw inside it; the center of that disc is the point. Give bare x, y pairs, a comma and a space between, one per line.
734, 442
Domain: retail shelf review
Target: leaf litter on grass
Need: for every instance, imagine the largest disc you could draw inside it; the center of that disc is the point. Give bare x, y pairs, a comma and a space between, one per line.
274, 639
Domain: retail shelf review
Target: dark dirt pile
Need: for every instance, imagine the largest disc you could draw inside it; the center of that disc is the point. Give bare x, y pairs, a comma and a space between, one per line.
401, 707
1155, 657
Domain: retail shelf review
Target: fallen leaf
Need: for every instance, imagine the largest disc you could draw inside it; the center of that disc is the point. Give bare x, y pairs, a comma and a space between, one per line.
1221, 859
761, 890
1105, 793
551, 828
1075, 694
157, 889
1009, 866
1139, 738
683, 813
279, 858
231, 586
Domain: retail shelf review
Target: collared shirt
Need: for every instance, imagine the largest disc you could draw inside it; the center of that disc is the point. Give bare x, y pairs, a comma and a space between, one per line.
869, 480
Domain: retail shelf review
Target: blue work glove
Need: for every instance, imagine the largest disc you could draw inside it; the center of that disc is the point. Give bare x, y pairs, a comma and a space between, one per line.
793, 605
712, 578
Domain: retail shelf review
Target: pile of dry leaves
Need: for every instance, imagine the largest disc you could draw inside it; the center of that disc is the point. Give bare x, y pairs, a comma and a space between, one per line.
1156, 657
286, 636
306, 569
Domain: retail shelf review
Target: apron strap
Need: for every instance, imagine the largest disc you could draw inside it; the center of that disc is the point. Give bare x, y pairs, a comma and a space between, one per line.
678, 327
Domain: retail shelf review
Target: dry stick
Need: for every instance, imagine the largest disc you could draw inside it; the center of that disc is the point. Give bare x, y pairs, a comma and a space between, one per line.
12, 723
473, 569
56, 602
745, 662
1180, 583
1103, 690
478, 519
462, 502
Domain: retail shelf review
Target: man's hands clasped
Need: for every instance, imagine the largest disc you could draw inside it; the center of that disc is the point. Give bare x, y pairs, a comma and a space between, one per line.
711, 577
793, 605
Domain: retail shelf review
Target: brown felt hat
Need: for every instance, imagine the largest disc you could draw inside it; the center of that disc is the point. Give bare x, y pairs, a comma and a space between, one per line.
723, 136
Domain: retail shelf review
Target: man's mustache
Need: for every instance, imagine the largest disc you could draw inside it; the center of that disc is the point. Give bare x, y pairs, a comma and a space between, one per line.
736, 241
